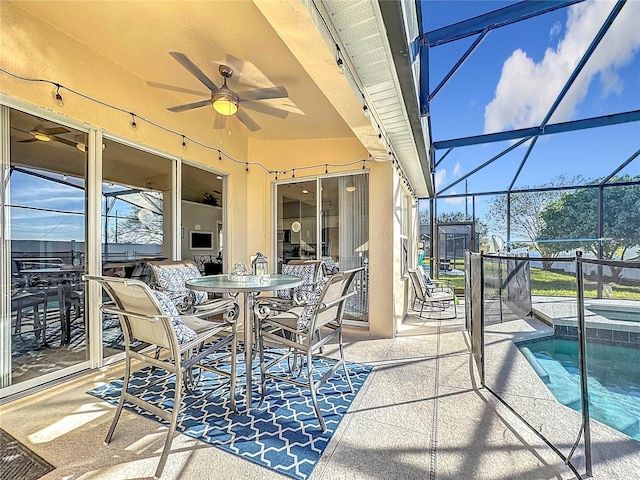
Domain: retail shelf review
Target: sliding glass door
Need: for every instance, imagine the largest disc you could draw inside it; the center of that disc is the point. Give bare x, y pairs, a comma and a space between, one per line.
327, 219
45, 224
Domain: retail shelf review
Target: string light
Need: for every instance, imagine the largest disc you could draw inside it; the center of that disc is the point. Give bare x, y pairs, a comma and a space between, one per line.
293, 173
246, 166
183, 137
339, 60
58, 96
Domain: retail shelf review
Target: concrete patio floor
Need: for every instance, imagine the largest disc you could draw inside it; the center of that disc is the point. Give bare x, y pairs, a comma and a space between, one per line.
420, 415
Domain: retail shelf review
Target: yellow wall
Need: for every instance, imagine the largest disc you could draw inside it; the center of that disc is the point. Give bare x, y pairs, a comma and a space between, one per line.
32, 48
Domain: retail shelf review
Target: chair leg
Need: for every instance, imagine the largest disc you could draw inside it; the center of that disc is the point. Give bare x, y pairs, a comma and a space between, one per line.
125, 387
263, 372
234, 364
172, 426
314, 398
344, 363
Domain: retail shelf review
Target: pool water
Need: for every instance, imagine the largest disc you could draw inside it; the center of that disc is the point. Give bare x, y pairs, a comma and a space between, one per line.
618, 313
613, 379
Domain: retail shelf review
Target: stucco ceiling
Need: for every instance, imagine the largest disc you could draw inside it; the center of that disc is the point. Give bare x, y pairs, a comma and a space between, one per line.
276, 42
138, 35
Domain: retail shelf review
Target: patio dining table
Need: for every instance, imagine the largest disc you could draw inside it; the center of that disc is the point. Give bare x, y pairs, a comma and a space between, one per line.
248, 286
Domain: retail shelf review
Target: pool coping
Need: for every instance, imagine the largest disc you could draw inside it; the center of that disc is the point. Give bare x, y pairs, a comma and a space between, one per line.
561, 314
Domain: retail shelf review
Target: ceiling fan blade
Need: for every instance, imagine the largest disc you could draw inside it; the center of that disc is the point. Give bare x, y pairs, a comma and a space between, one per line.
177, 89
53, 130
263, 108
190, 106
263, 93
219, 121
195, 71
248, 121
65, 141
28, 140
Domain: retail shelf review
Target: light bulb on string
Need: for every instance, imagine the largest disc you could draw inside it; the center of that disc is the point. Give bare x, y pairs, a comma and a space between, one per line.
134, 125
339, 60
58, 97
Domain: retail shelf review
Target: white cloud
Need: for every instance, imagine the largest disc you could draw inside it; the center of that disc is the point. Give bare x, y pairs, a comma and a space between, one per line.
556, 28
526, 90
454, 201
456, 169
440, 177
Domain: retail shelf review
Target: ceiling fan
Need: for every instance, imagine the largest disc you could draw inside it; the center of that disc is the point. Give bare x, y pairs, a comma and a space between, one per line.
43, 134
226, 101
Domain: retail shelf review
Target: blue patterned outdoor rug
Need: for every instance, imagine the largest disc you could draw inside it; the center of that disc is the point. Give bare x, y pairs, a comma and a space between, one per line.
282, 434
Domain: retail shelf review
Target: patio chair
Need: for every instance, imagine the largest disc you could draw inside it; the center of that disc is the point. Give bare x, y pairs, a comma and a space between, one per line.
169, 277
311, 272
434, 285
436, 301
297, 331
149, 316
70, 296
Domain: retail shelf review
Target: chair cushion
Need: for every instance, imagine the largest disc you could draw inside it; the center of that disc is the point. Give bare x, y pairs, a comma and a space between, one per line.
184, 334
304, 271
173, 280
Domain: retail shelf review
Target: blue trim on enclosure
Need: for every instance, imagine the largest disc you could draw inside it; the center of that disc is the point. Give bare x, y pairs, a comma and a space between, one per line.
495, 19
613, 119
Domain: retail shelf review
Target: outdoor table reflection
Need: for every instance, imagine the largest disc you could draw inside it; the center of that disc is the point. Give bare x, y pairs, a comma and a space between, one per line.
248, 286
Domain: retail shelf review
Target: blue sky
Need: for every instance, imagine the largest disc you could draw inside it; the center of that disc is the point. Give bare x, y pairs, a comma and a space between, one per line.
515, 75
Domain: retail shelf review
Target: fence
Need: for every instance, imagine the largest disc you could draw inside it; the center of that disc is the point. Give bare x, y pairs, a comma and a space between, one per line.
566, 366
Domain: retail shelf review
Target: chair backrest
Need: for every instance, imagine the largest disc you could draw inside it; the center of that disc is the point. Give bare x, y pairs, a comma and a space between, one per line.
333, 294
170, 277
145, 315
425, 275
310, 287
318, 266
329, 266
419, 287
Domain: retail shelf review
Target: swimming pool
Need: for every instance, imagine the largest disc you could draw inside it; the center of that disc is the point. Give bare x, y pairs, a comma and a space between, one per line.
614, 379
617, 313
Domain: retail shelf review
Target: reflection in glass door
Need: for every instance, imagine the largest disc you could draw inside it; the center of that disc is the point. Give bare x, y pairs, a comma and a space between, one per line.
46, 205
332, 225
136, 218
345, 233
297, 221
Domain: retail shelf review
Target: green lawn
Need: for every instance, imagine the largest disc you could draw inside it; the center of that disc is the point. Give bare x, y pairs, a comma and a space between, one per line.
547, 283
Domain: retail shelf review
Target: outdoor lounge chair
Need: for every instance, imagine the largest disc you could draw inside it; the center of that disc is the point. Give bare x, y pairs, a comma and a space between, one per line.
149, 316
435, 301
298, 332
433, 285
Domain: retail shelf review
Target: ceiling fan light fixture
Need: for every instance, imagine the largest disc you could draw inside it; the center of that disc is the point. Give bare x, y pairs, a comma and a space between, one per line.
40, 136
81, 146
350, 188
225, 102
224, 106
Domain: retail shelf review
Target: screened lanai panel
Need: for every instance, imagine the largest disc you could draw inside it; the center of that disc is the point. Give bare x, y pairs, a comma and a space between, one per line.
479, 168
580, 157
